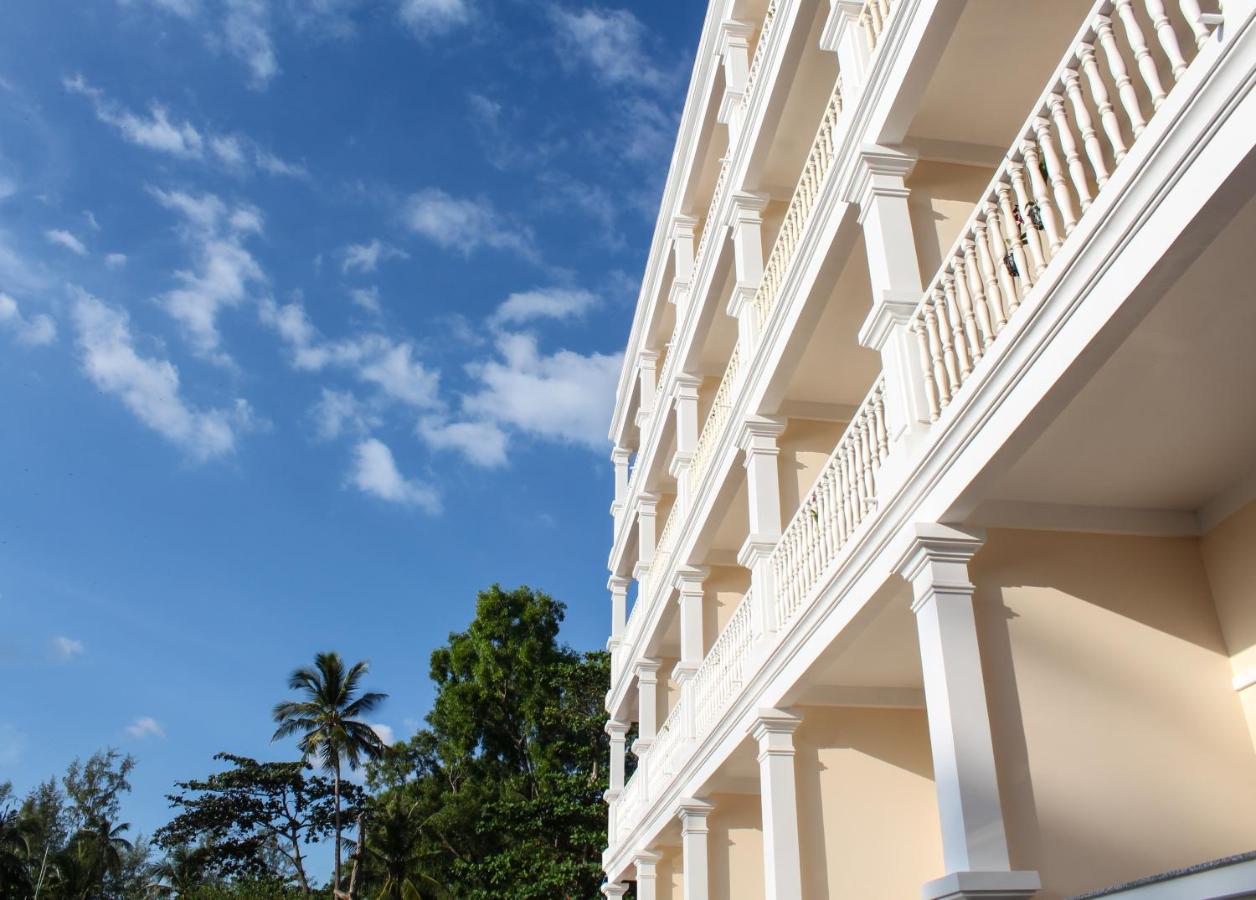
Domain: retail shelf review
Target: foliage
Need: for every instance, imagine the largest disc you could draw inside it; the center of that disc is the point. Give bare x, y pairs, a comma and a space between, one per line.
505, 783
234, 824
328, 721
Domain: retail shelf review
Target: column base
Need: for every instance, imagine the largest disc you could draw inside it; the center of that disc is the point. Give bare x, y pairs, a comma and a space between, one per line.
982, 886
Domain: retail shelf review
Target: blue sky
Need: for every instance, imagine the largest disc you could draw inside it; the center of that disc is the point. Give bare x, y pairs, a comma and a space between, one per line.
310, 315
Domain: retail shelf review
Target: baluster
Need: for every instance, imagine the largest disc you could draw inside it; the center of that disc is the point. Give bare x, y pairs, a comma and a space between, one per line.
875, 13
968, 321
822, 496
949, 357
1055, 173
1015, 235
972, 305
931, 386
1099, 91
866, 21
1116, 65
1086, 125
865, 450
1142, 53
1163, 28
883, 439
849, 491
989, 276
839, 473
1072, 156
963, 327
1041, 197
935, 351
1000, 250
885, 10
1194, 18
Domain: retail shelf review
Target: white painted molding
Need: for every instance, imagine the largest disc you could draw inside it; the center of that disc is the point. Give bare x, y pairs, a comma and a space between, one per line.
1091, 519
958, 153
1227, 503
1245, 679
816, 411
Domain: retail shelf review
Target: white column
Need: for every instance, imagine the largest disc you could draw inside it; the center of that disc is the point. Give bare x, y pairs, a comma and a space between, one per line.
782, 870
647, 527
693, 847
647, 706
689, 580
758, 440
646, 862
647, 373
844, 36
685, 400
618, 733
618, 586
620, 457
613, 889
683, 230
974, 842
894, 273
734, 49
747, 227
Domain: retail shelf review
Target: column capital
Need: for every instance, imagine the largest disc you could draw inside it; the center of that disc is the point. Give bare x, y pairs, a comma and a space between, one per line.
610, 795
683, 227
645, 861
681, 460
733, 33
936, 560
843, 14
776, 728
640, 570
647, 670
647, 359
747, 206
759, 433
881, 173
647, 503
610, 890
755, 548
618, 583
889, 310
621, 455
740, 299
617, 729
689, 579
693, 814
686, 387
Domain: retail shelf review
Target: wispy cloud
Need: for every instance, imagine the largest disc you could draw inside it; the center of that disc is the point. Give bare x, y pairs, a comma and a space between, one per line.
63, 238
543, 303
426, 18
158, 131
246, 36
115, 260
366, 298
225, 272
340, 412
465, 224
65, 648
35, 331
367, 257
374, 471
149, 387
482, 443
145, 727
610, 43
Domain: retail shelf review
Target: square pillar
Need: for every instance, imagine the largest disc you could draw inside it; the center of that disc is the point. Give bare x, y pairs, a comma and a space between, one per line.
647, 706
647, 527
618, 586
746, 222
647, 374
646, 864
689, 581
974, 841
782, 869
734, 49
620, 457
618, 732
693, 847
758, 440
843, 35
613, 890
685, 401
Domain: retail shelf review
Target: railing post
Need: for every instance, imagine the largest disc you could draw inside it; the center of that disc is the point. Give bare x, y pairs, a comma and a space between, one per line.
618, 586
734, 50
647, 707
747, 227
685, 402
647, 373
646, 863
620, 457
618, 732
693, 847
774, 731
689, 582
843, 35
758, 440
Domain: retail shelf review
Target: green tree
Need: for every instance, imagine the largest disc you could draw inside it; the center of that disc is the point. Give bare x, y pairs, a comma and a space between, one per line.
328, 721
232, 824
506, 780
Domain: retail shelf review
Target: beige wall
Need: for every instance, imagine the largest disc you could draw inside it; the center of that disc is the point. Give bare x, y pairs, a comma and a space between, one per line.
805, 445
735, 847
1229, 552
670, 874
876, 762
1122, 747
942, 198
722, 592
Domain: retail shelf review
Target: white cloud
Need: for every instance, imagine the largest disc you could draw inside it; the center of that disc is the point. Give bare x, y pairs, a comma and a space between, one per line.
63, 238
226, 269
183, 8
115, 260
564, 396
159, 132
90, 218
65, 649
465, 224
367, 298
375, 472
482, 443
15, 271
611, 42
149, 387
35, 331
385, 733
338, 412
374, 358
367, 257
8, 187
145, 727
428, 17
246, 37
544, 303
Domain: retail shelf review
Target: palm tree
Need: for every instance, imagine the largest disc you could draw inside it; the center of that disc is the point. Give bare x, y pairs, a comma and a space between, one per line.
327, 718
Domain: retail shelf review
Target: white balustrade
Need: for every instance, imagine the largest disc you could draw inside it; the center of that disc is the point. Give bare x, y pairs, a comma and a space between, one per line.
669, 747
844, 494
662, 558
723, 671
716, 420
760, 50
1063, 157
817, 166
875, 17
632, 802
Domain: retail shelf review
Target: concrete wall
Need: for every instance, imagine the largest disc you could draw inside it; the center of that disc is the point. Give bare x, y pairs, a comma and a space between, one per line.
875, 762
736, 847
805, 445
1229, 552
669, 874
1122, 746
723, 590
942, 198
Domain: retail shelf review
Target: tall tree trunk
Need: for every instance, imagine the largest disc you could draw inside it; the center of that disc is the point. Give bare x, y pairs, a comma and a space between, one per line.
357, 855
335, 887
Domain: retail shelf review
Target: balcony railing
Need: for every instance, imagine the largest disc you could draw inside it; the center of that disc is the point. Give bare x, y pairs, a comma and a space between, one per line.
819, 162
844, 494
716, 420
760, 50
874, 17
1049, 180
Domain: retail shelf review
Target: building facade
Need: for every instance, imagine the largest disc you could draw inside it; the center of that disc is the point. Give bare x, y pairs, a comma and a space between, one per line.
934, 556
